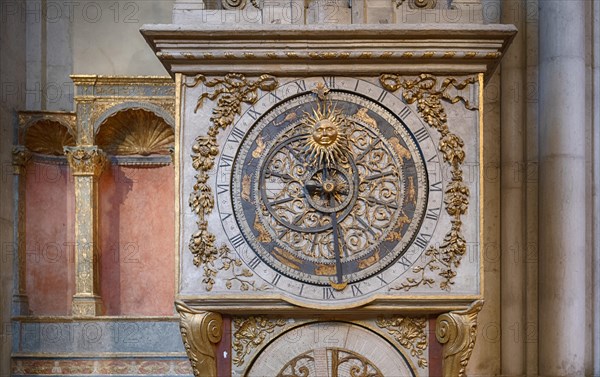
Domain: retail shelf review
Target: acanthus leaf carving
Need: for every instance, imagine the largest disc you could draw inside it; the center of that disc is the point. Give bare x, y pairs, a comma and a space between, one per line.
428, 95
85, 160
457, 331
200, 331
250, 333
410, 333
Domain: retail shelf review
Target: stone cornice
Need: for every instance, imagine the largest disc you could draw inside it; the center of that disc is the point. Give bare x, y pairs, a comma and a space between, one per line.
330, 49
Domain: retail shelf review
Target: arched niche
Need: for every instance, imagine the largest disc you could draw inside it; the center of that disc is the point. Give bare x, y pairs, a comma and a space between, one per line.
135, 132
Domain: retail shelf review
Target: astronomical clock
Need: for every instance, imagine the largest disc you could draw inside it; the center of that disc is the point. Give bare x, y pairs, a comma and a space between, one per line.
330, 195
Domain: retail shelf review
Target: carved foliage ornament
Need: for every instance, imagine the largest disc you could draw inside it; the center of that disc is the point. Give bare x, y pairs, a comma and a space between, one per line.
250, 333
85, 160
200, 331
20, 158
457, 331
410, 333
230, 92
428, 95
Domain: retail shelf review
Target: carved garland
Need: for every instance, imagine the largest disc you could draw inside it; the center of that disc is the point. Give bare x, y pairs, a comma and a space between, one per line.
425, 92
230, 92
250, 333
409, 333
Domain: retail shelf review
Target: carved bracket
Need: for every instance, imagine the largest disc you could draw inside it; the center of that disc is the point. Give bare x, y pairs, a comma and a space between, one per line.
200, 331
457, 332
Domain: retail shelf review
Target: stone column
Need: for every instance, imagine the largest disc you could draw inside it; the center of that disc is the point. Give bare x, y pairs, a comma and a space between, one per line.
20, 303
562, 209
512, 200
86, 164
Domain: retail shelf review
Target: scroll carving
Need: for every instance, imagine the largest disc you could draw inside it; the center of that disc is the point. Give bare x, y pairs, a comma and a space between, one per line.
410, 333
428, 95
200, 331
230, 92
457, 332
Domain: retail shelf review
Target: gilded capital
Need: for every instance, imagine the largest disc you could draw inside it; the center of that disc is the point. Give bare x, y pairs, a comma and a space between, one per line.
85, 160
457, 332
20, 158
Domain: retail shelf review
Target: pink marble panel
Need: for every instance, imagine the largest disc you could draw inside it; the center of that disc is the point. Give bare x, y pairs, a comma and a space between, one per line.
137, 240
50, 234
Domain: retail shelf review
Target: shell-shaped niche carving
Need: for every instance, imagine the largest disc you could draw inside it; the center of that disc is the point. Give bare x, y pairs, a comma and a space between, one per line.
48, 137
135, 132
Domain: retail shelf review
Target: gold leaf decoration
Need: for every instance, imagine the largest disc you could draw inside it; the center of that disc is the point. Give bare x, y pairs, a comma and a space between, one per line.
457, 331
200, 330
249, 333
48, 137
428, 95
135, 132
409, 333
229, 92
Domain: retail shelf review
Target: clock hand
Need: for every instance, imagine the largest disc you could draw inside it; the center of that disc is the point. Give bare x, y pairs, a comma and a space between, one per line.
336, 248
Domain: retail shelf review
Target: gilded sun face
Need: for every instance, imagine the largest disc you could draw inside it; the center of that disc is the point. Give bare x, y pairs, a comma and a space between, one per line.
328, 141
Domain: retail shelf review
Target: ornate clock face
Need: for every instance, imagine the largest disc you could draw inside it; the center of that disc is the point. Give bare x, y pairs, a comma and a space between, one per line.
330, 191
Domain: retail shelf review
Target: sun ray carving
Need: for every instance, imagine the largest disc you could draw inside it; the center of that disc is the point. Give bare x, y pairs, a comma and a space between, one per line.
328, 141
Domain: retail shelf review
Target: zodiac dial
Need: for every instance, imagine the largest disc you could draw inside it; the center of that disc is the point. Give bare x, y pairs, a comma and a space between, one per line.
329, 189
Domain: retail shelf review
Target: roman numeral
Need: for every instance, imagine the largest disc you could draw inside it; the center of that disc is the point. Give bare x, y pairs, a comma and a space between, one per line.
275, 96
404, 112
433, 214
382, 96
404, 262
225, 216
253, 113
222, 188
328, 293
236, 135
383, 282
436, 186
226, 161
237, 241
276, 279
421, 134
301, 290
422, 240
356, 290
255, 262
433, 157
301, 84
329, 81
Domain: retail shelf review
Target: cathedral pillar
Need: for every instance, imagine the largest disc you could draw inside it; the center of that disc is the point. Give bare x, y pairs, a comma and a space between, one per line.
562, 205
86, 164
512, 228
20, 306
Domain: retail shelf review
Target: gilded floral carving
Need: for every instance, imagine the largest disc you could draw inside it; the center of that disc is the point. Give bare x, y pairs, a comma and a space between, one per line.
428, 95
250, 333
229, 93
410, 333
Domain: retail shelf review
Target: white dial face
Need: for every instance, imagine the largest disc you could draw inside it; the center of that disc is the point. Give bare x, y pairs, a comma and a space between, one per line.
330, 349
329, 197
